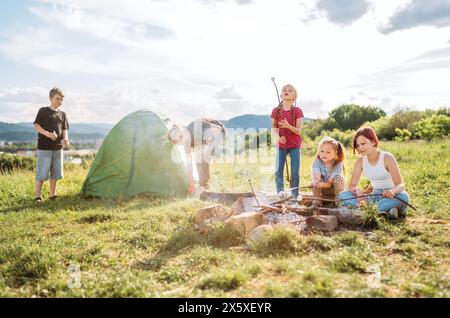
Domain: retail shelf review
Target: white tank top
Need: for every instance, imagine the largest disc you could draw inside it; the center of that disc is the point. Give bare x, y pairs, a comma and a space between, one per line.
378, 176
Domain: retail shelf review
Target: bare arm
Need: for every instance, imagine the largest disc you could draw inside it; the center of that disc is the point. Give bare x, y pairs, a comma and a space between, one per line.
66, 137
315, 180
276, 133
391, 165
42, 131
357, 170
326, 184
298, 126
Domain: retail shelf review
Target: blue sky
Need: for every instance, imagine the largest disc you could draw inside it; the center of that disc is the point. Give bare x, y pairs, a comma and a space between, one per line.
192, 58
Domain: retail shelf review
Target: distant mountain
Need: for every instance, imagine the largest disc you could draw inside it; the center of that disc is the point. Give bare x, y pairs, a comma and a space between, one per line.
252, 121
75, 128
30, 136
24, 132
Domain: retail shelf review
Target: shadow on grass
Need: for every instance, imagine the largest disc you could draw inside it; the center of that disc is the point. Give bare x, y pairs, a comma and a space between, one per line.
78, 202
187, 237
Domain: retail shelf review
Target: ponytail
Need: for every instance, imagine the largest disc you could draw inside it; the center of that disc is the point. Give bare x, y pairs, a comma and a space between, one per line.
341, 155
337, 147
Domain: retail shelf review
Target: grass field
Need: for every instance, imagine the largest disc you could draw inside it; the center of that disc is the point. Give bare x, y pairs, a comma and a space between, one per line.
147, 247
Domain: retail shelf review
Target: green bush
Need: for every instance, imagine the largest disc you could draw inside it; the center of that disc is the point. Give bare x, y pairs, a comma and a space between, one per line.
9, 162
436, 126
402, 134
404, 120
344, 137
382, 128
351, 116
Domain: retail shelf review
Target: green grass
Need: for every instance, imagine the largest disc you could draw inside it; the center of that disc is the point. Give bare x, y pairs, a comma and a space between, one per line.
147, 247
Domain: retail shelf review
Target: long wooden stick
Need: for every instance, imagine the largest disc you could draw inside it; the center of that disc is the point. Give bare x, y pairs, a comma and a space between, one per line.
281, 201
358, 197
305, 187
253, 191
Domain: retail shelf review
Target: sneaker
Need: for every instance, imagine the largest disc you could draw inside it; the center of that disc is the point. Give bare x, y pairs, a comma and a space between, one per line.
393, 213
402, 213
282, 195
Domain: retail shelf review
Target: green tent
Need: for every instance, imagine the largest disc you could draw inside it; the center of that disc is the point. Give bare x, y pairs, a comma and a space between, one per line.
137, 157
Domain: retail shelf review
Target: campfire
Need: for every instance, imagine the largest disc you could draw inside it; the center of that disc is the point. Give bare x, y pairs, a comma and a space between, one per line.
253, 213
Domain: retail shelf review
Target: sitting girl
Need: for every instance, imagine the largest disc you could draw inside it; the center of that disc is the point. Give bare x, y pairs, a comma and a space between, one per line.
328, 170
382, 170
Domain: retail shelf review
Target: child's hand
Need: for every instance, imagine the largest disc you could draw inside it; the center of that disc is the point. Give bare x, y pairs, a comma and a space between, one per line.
282, 140
53, 136
285, 124
66, 142
389, 194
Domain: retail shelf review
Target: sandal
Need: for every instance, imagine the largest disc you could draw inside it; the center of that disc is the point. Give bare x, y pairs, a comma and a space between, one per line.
53, 197
38, 199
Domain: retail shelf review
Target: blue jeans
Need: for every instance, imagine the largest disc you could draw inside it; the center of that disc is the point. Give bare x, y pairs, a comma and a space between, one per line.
295, 169
383, 204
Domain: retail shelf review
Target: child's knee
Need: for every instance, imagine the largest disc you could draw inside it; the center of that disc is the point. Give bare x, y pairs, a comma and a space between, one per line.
339, 183
345, 195
404, 196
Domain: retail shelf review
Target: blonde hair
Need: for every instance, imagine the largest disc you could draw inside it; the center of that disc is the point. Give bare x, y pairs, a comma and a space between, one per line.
337, 147
55, 91
291, 87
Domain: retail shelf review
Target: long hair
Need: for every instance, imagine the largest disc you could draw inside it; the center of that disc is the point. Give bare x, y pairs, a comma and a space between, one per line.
337, 147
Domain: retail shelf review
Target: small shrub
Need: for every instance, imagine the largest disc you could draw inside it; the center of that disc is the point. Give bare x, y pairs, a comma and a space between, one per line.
436, 126
224, 281
402, 134
319, 243
182, 239
349, 239
95, 218
170, 275
280, 241
9, 163
220, 235
348, 262
372, 219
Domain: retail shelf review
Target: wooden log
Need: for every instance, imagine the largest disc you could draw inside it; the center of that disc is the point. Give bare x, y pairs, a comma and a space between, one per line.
227, 198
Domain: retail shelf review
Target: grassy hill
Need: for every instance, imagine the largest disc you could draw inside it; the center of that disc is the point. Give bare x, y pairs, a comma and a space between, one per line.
148, 247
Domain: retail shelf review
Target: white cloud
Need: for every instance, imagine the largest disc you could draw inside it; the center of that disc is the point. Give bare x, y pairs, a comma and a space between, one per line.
195, 58
419, 13
343, 12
